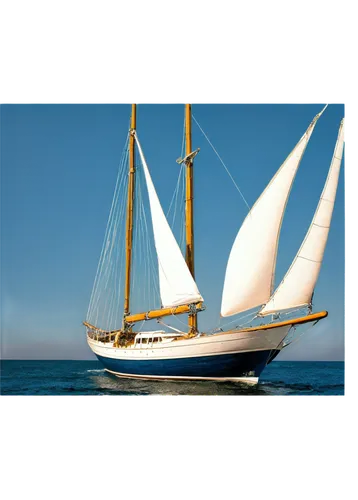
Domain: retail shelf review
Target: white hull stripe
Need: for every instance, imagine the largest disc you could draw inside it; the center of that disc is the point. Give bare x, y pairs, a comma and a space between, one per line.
247, 380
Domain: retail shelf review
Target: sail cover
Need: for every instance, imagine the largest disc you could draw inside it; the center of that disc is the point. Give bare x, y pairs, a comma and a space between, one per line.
177, 286
251, 266
296, 288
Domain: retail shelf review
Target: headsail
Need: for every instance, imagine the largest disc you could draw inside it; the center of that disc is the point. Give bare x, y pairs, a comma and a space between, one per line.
251, 266
177, 286
297, 286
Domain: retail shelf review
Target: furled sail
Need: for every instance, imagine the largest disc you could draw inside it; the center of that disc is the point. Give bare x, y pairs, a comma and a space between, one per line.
251, 266
177, 286
296, 288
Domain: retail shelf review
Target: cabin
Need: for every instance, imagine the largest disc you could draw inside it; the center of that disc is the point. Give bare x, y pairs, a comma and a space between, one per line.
146, 340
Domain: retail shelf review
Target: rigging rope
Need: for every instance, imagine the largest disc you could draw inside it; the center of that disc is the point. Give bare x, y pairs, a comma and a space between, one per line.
108, 233
105, 309
149, 286
168, 326
175, 195
218, 328
222, 162
181, 176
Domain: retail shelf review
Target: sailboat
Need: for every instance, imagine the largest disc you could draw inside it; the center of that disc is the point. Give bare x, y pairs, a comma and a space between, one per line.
238, 354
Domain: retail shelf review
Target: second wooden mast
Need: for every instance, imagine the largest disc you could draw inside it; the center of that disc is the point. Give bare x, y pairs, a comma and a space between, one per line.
189, 209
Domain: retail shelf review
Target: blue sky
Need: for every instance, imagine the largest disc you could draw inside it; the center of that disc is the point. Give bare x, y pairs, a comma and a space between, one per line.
58, 169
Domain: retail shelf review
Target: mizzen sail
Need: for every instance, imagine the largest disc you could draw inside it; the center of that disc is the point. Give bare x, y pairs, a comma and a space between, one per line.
296, 288
251, 266
177, 286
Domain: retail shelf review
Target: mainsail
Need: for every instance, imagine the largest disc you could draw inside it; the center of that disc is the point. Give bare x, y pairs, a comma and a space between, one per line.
296, 288
251, 266
177, 286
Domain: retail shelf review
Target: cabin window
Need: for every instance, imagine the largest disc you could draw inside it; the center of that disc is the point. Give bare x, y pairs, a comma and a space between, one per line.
150, 340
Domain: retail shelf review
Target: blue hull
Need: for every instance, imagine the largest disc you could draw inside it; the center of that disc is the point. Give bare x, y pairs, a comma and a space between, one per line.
247, 364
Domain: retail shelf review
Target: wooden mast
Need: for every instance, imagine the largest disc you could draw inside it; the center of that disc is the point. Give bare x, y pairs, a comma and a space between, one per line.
189, 209
129, 222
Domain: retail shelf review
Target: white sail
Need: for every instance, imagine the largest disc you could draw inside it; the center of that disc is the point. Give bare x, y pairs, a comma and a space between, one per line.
296, 288
251, 266
177, 286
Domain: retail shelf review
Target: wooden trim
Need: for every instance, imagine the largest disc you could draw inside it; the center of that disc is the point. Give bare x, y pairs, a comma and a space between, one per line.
88, 325
296, 321
159, 313
189, 209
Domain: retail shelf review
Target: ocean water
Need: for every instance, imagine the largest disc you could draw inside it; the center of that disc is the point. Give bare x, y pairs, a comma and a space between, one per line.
89, 378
